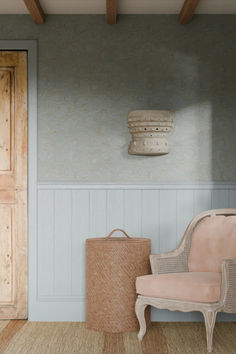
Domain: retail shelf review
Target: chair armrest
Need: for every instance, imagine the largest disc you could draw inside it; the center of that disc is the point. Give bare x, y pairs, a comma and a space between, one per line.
177, 260
228, 286
171, 262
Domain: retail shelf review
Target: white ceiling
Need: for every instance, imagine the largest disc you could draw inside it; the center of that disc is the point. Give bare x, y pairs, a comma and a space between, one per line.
124, 6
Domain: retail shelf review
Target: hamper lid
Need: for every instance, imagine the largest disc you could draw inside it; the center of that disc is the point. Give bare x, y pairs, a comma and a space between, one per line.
127, 238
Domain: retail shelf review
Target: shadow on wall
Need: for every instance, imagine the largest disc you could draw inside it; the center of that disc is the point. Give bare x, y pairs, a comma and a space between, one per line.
215, 86
191, 70
194, 74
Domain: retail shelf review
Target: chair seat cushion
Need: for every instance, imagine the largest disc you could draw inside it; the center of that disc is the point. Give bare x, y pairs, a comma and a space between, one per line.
189, 286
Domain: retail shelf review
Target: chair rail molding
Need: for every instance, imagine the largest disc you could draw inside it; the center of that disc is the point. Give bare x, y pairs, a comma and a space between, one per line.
142, 186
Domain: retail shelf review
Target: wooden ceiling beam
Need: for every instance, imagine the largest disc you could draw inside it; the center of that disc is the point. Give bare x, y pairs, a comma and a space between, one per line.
187, 11
35, 11
111, 12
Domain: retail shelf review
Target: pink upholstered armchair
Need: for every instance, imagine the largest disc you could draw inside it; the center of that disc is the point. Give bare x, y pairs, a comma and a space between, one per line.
200, 275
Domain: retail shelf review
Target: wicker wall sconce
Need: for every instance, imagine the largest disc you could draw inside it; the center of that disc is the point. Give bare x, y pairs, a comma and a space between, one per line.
149, 131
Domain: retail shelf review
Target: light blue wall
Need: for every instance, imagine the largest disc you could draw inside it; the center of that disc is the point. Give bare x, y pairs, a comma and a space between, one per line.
92, 74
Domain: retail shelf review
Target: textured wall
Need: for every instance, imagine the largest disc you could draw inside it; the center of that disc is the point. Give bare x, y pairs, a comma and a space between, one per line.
91, 75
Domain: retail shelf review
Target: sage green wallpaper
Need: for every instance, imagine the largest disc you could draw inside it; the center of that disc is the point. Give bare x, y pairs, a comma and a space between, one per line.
92, 74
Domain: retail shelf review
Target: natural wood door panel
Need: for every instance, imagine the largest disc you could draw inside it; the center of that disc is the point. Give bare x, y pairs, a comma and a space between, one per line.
7, 197
21, 125
9, 59
6, 254
7, 182
6, 130
13, 185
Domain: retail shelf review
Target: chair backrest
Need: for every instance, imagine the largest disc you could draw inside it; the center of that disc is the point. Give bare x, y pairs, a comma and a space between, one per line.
213, 239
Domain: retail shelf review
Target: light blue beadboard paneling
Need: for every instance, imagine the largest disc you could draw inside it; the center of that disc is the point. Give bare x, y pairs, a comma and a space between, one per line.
150, 218
62, 243
184, 211
68, 214
220, 198
232, 198
202, 200
45, 243
115, 209
133, 212
80, 231
98, 213
168, 220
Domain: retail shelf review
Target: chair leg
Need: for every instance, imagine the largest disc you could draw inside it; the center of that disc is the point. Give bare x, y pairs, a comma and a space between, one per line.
210, 319
140, 313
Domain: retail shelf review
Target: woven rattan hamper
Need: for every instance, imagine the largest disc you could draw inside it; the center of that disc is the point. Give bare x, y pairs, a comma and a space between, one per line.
112, 265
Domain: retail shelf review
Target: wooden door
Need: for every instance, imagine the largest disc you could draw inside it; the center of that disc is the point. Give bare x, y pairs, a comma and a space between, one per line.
13, 185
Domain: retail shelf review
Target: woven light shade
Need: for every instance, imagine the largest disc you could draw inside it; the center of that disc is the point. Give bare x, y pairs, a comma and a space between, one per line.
149, 131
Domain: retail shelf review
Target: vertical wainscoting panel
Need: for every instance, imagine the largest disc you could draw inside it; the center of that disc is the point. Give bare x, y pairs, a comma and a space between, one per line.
62, 243
168, 211
132, 212
80, 231
232, 198
151, 217
98, 213
184, 211
220, 198
115, 209
202, 200
45, 243
68, 214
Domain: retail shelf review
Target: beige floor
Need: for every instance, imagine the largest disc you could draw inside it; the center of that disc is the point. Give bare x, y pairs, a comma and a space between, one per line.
21, 337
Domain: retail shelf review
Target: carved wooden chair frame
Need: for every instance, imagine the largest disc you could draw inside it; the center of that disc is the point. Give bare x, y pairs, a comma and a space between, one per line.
177, 262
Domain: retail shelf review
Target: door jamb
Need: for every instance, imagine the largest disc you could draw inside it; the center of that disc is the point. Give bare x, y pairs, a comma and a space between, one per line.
31, 47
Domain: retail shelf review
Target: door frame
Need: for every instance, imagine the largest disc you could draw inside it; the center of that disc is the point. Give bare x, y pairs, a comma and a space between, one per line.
31, 47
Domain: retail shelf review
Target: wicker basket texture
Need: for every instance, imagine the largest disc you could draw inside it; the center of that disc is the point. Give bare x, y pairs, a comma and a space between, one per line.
112, 265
